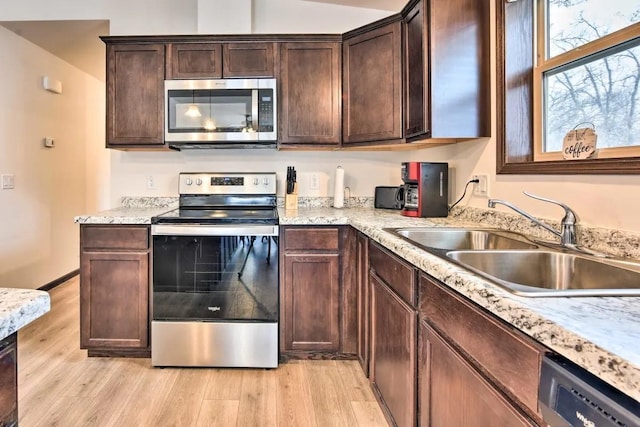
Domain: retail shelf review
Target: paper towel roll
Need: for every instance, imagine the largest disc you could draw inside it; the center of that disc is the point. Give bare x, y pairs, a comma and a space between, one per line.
338, 189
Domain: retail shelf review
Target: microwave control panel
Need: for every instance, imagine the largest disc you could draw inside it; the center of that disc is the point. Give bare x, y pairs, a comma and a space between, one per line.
265, 110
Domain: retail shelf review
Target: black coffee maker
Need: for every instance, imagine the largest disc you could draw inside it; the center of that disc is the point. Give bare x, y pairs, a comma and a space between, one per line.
426, 189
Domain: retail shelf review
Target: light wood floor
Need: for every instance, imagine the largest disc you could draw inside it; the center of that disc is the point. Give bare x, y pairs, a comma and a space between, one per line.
60, 386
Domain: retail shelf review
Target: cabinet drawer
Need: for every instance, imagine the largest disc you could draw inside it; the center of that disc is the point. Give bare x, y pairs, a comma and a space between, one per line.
114, 237
507, 355
396, 273
312, 239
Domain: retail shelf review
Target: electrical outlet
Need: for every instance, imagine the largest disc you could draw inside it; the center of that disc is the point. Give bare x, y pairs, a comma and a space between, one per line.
314, 181
481, 188
151, 182
8, 182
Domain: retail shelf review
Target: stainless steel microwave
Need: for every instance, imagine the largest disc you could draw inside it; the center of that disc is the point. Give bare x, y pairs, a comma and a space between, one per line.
226, 113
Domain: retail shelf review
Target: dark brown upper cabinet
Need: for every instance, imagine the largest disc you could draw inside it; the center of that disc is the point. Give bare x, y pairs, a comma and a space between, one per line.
416, 56
135, 95
310, 94
248, 60
423, 74
195, 61
220, 60
372, 84
447, 74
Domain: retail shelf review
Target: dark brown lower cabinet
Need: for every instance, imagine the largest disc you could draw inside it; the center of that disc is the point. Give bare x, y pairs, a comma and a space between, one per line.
114, 290
311, 302
318, 315
393, 353
453, 393
363, 300
9, 381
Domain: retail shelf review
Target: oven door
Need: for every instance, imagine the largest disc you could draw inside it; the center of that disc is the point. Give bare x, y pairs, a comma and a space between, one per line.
210, 273
214, 296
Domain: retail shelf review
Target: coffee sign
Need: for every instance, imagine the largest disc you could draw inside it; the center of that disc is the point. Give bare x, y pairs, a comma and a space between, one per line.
579, 144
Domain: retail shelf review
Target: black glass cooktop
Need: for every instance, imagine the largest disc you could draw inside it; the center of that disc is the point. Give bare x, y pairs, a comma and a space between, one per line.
267, 215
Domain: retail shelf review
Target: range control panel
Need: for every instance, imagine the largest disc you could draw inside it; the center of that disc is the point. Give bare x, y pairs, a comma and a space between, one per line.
227, 183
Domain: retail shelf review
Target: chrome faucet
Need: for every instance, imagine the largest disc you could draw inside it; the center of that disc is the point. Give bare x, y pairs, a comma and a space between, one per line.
567, 234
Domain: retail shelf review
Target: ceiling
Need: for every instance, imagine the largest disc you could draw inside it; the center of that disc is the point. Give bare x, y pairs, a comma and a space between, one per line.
76, 42
391, 5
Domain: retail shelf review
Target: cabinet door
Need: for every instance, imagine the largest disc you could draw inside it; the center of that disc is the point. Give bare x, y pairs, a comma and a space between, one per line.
135, 95
393, 353
362, 266
416, 56
195, 61
311, 300
453, 393
372, 86
247, 60
9, 381
310, 92
114, 299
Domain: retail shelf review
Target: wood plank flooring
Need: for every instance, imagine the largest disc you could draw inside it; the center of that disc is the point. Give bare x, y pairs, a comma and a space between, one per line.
60, 386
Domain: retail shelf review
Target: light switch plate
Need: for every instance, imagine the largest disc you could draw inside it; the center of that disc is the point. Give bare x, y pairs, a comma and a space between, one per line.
8, 181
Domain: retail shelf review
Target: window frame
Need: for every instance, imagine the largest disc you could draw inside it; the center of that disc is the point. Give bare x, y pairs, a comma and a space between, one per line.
516, 124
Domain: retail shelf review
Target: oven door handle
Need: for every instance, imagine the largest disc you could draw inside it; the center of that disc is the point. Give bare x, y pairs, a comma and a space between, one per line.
213, 230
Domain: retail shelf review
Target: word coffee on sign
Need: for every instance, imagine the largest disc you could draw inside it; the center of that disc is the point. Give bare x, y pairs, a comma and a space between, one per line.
579, 144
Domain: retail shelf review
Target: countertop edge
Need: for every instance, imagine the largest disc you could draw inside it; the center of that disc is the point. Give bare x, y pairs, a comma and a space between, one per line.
19, 307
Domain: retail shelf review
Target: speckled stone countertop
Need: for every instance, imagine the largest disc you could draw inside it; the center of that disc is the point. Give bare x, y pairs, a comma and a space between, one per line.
134, 210
601, 334
19, 307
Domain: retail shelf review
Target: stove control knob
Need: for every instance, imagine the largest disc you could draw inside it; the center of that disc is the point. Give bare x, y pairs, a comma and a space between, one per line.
265, 181
256, 181
188, 181
198, 181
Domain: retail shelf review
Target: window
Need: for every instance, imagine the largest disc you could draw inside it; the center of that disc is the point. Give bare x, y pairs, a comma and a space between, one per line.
587, 74
565, 64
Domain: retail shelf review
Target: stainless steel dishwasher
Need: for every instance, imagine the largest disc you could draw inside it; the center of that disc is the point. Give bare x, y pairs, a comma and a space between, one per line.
571, 396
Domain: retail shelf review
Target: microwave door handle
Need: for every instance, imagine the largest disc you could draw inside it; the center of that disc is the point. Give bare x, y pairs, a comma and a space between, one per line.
254, 109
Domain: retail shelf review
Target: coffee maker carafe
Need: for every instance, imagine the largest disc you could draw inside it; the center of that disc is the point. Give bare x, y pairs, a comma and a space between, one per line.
426, 189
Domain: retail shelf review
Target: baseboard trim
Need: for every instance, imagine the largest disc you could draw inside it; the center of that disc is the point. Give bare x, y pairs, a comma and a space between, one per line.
59, 281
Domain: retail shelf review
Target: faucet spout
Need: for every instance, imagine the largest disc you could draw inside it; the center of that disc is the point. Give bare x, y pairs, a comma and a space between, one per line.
494, 202
567, 234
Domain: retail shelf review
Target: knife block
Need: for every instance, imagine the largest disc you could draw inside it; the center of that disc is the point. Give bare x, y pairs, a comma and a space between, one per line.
291, 200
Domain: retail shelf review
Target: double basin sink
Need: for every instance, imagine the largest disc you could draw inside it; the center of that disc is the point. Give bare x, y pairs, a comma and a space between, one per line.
524, 267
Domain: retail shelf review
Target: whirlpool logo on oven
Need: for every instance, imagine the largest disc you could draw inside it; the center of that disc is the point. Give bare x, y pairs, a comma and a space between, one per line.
214, 309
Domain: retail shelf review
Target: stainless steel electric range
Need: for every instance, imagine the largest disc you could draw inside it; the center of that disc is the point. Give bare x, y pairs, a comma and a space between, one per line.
215, 273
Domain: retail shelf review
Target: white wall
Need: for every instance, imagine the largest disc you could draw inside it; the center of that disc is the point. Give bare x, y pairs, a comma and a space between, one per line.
38, 239
607, 201
127, 17
294, 16
363, 170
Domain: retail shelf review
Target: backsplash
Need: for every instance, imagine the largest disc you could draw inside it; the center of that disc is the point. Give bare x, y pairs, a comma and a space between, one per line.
615, 242
327, 202
148, 202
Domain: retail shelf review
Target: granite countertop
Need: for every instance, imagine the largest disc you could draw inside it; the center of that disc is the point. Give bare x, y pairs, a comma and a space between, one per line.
123, 215
19, 307
601, 334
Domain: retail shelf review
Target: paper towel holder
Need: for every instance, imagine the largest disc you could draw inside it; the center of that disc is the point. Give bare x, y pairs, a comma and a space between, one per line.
338, 188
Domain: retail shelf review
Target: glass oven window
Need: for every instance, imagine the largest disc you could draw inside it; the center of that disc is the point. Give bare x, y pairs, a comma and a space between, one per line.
220, 110
215, 278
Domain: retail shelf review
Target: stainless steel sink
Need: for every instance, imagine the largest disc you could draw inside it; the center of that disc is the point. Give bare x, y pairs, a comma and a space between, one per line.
551, 273
463, 238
